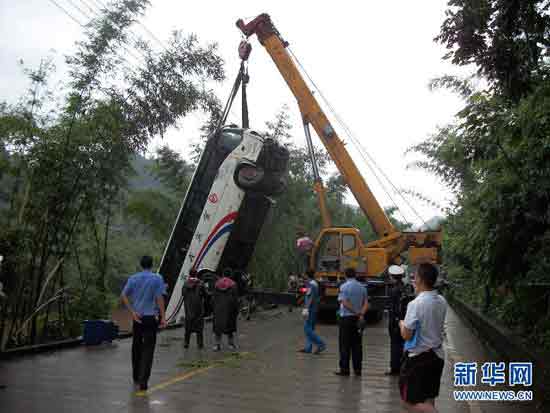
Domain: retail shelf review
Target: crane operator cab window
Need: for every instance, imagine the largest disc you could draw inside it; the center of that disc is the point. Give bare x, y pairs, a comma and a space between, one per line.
328, 257
350, 254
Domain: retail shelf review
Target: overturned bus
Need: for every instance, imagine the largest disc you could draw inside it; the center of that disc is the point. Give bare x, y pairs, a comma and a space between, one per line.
223, 211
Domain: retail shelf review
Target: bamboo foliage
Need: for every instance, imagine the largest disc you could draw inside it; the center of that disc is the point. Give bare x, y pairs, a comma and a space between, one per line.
65, 160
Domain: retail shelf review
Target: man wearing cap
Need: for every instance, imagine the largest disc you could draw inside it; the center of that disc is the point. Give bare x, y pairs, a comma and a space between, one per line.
396, 313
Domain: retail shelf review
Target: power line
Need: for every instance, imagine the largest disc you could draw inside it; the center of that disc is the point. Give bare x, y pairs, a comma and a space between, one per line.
60, 7
79, 9
88, 16
360, 147
153, 36
371, 168
98, 12
89, 8
149, 32
67, 13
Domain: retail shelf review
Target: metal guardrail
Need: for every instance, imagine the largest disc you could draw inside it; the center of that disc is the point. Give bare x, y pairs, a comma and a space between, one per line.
61, 344
379, 302
262, 297
274, 297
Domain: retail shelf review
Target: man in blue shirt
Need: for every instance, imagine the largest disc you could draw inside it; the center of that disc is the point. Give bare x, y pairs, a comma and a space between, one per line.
353, 306
310, 315
143, 296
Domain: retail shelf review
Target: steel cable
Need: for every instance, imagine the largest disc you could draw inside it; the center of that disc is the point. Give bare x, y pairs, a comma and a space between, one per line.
360, 147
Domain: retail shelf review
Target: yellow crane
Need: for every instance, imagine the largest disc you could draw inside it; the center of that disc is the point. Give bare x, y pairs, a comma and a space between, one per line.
337, 248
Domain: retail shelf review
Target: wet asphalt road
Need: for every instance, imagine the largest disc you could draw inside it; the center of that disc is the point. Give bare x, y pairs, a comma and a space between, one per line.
267, 375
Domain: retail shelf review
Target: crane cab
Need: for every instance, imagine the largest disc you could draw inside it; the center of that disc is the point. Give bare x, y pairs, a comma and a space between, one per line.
338, 248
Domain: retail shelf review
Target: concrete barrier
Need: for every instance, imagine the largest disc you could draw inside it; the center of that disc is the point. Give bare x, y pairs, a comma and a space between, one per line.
507, 345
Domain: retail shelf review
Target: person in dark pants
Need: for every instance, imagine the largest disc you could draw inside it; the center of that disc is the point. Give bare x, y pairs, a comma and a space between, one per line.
226, 309
353, 307
194, 295
143, 296
422, 329
396, 313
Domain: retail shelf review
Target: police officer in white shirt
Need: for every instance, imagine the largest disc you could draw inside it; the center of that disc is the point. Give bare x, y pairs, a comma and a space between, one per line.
422, 329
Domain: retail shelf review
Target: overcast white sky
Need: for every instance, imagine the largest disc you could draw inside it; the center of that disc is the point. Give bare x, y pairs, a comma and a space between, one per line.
372, 60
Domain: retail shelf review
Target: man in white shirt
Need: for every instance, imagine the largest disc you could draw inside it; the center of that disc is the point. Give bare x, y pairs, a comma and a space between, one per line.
422, 329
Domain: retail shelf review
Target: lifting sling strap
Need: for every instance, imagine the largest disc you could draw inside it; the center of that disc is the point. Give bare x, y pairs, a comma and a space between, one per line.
242, 77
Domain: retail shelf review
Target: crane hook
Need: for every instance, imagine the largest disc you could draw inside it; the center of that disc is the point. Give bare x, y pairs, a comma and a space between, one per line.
244, 50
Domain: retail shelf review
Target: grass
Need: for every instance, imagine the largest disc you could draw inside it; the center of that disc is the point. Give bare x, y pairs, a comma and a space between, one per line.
232, 361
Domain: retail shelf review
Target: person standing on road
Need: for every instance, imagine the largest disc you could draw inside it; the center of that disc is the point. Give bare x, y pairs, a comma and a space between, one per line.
194, 295
143, 296
396, 313
226, 309
309, 312
354, 304
422, 328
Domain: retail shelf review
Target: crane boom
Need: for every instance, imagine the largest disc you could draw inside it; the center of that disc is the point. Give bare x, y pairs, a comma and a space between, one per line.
312, 113
338, 248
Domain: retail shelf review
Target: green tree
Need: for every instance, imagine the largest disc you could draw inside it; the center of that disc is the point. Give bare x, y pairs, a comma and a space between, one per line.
67, 167
494, 157
505, 40
173, 171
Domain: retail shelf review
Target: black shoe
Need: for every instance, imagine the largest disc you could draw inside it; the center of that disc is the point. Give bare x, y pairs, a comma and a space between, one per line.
2, 386
342, 373
143, 387
392, 373
186, 345
357, 374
